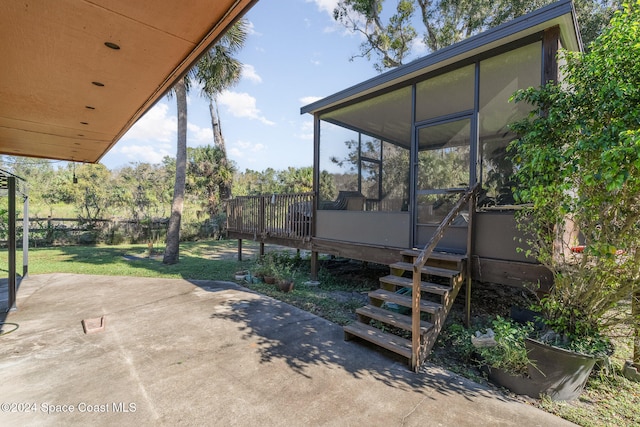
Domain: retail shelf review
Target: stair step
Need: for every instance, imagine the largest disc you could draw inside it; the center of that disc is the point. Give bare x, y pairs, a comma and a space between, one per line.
440, 256
407, 282
390, 318
405, 301
435, 271
386, 340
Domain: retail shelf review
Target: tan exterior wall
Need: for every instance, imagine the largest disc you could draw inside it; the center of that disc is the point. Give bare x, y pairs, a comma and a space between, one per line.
375, 228
496, 237
495, 232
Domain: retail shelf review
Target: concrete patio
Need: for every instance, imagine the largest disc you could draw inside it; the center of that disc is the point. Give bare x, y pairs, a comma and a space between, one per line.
177, 352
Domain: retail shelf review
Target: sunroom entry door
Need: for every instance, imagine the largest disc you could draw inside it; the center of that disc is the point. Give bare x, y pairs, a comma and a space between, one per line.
442, 175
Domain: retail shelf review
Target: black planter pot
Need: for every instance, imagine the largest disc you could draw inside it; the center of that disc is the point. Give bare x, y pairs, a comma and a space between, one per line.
561, 373
516, 383
555, 372
524, 315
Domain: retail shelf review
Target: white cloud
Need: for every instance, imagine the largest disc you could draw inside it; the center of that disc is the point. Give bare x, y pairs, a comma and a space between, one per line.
418, 47
242, 105
197, 135
249, 152
154, 136
155, 125
325, 5
249, 72
306, 131
241, 148
328, 6
144, 153
306, 100
251, 29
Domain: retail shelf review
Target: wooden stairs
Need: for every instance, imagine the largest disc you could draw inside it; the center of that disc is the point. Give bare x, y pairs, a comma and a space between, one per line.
386, 320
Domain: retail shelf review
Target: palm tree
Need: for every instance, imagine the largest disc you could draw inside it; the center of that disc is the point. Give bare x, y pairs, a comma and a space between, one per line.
206, 174
217, 70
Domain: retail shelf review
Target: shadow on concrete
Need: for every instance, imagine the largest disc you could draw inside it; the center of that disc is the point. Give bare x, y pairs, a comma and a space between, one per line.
4, 297
305, 340
286, 333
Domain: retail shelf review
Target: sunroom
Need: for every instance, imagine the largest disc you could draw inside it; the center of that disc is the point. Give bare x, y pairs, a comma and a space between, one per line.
406, 145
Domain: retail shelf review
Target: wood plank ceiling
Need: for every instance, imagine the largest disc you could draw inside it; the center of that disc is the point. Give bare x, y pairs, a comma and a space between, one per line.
65, 94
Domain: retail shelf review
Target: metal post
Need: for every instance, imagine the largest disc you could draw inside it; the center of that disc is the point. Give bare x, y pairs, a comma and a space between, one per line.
25, 237
11, 187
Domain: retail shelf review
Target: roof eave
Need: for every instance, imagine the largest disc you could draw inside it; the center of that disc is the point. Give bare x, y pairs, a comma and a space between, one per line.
560, 13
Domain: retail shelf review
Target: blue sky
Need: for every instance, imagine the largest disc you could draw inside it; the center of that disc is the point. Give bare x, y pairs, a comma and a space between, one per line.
295, 54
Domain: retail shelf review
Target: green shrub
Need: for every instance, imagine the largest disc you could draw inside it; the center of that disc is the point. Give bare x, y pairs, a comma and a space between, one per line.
509, 353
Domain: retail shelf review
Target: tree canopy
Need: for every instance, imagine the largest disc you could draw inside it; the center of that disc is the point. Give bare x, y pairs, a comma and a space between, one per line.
390, 35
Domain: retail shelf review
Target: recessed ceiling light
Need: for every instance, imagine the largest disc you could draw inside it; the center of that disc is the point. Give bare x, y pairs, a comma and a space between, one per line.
97, 84
112, 45
89, 107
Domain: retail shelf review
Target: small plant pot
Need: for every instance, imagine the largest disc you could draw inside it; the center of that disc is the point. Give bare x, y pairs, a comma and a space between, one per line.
631, 371
285, 285
270, 280
240, 275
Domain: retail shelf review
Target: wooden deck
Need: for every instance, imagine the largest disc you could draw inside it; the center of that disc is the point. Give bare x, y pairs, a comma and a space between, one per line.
284, 219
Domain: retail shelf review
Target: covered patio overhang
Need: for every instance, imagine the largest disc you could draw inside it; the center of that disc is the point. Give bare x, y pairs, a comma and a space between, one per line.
77, 74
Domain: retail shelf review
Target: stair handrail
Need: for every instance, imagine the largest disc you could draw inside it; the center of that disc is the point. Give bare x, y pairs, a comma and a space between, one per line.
420, 261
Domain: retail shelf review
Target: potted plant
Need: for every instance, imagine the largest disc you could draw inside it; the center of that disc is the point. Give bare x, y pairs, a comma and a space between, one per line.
285, 277
266, 268
503, 354
577, 178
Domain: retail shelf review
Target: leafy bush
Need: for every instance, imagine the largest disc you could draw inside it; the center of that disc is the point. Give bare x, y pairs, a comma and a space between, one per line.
578, 169
509, 353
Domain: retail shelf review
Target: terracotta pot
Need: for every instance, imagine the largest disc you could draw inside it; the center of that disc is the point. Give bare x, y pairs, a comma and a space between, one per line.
285, 285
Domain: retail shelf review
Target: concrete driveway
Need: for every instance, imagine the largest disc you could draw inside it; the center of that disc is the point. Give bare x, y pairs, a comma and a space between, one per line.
177, 352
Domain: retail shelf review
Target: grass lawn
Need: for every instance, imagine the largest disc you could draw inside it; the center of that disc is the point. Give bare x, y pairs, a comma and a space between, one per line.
209, 260
609, 400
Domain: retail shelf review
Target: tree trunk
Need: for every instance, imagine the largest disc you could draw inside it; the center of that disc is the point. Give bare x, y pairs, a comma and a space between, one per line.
218, 139
171, 253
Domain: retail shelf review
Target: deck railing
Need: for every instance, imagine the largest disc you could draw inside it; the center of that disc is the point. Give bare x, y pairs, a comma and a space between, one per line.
275, 215
467, 198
